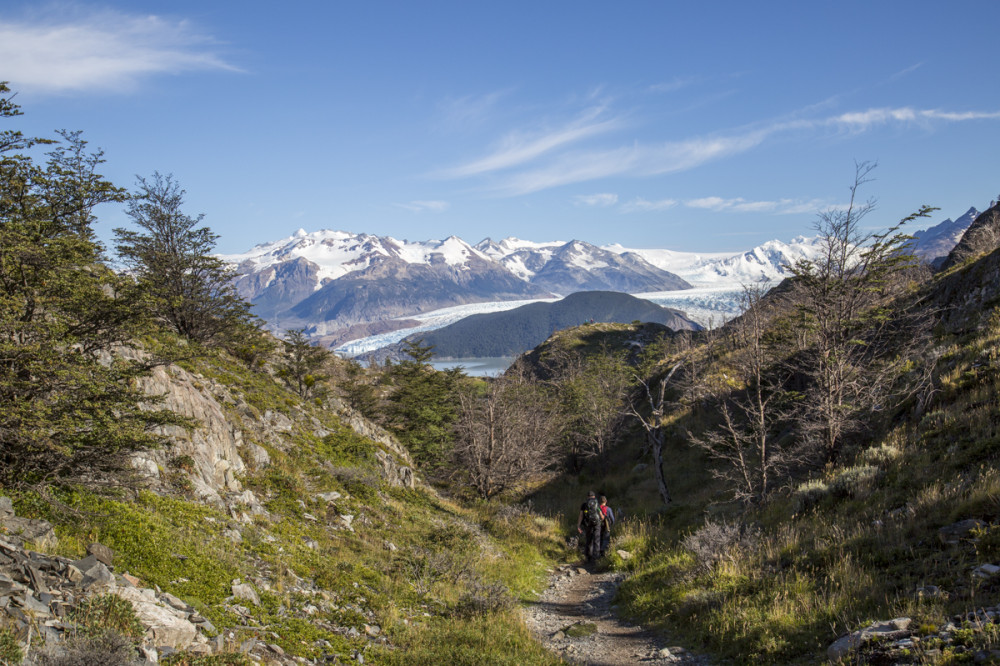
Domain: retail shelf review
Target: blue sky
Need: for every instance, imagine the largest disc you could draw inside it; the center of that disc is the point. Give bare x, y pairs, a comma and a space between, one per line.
692, 126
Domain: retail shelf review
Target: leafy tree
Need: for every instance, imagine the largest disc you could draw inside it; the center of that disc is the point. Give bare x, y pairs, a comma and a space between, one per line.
303, 367
423, 405
70, 410
358, 389
170, 256
593, 391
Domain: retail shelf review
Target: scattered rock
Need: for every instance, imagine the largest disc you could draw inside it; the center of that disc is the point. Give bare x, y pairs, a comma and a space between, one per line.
246, 592
953, 533
103, 554
624, 554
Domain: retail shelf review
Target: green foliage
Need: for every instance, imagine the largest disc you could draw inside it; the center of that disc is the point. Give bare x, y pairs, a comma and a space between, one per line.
10, 650
302, 368
189, 289
232, 659
107, 613
71, 409
423, 406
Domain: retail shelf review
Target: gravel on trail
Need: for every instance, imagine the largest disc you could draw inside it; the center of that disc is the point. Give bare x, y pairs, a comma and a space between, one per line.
575, 618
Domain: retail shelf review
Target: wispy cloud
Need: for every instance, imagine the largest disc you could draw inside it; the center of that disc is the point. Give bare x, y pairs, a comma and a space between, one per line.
532, 162
741, 205
471, 109
670, 86
602, 200
636, 160
640, 205
421, 206
105, 50
518, 147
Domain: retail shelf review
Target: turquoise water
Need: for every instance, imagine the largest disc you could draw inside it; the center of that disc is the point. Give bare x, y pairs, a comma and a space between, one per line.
476, 367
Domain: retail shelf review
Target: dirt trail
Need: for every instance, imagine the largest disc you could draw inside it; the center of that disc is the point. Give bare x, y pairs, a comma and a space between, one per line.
575, 619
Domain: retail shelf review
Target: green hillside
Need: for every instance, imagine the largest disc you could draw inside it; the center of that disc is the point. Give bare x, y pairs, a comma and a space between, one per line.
900, 520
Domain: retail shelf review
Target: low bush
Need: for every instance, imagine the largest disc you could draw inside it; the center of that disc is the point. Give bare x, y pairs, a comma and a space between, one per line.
107, 613
714, 542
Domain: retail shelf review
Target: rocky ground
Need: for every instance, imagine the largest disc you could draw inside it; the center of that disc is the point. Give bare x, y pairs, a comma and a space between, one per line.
576, 618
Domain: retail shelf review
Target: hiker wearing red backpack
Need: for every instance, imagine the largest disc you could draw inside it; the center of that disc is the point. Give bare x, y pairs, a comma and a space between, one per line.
607, 521
589, 525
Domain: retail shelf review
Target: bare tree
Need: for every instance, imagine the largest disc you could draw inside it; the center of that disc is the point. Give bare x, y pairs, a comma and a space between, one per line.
845, 317
652, 396
749, 406
505, 433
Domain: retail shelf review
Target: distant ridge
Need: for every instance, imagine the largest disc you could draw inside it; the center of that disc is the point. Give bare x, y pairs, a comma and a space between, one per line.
513, 332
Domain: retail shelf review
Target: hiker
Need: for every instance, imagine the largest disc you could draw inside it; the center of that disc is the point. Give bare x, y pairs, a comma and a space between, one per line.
607, 521
590, 520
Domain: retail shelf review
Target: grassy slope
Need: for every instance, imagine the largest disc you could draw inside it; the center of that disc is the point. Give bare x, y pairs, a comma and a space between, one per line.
440, 592
849, 545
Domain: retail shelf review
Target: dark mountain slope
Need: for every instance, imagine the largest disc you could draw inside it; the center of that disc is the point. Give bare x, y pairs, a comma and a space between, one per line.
512, 332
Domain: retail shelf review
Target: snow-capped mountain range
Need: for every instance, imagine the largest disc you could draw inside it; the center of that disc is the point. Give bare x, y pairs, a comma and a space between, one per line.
342, 286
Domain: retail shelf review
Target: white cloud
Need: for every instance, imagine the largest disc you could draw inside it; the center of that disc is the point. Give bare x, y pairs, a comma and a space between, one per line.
600, 200
518, 147
470, 109
421, 206
640, 205
741, 205
104, 50
531, 162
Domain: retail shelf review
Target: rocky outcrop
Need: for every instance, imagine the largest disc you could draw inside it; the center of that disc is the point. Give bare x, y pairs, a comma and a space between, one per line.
20, 531
210, 450
40, 593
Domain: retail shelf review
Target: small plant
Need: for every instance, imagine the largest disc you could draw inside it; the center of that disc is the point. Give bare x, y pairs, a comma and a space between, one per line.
580, 629
484, 599
183, 462
107, 649
714, 542
880, 456
107, 613
233, 659
809, 494
10, 651
857, 481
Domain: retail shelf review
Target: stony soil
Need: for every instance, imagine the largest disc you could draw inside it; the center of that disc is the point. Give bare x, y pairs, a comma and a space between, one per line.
579, 600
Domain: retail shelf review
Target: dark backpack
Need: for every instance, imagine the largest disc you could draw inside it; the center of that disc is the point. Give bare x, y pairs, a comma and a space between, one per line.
593, 512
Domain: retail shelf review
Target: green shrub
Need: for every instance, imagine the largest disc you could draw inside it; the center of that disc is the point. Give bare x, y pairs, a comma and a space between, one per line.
809, 494
857, 481
482, 599
107, 613
107, 649
10, 651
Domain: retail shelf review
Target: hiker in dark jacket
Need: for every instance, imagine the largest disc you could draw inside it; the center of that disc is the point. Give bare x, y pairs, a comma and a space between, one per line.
589, 525
607, 522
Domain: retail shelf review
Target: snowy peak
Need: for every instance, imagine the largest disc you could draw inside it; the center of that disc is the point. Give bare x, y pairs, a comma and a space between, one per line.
938, 241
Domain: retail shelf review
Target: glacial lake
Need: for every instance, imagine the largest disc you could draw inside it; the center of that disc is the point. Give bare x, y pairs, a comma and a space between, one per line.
476, 367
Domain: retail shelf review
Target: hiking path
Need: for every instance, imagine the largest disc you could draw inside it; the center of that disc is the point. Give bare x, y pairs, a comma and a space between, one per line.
575, 618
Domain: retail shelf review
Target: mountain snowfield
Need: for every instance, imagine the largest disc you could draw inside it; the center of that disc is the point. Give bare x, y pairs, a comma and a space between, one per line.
717, 280
706, 286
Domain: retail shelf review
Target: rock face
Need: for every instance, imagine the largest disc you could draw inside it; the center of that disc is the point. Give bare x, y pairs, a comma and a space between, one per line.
213, 446
223, 444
